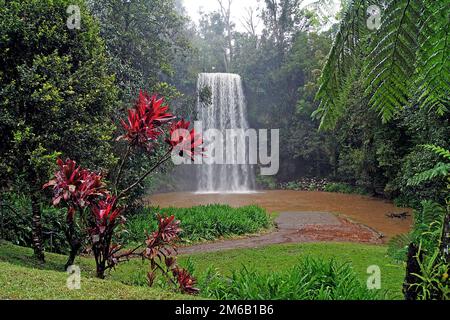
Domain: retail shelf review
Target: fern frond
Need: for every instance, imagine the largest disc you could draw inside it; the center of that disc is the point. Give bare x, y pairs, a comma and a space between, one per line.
431, 213
391, 62
398, 246
440, 170
438, 150
433, 65
342, 58
408, 59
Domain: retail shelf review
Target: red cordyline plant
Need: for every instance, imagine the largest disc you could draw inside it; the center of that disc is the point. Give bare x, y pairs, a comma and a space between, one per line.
184, 142
78, 188
84, 191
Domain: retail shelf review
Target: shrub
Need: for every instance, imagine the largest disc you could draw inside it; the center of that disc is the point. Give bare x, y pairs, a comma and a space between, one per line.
15, 226
311, 279
99, 205
305, 184
266, 182
202, 222
426, 231
344, 188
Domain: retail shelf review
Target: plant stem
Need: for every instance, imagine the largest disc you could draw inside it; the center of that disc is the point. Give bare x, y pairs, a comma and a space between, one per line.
119, 172
162, 160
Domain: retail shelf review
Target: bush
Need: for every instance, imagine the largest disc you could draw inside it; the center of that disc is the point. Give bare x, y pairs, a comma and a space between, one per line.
202, 222
344, 188
311, 279
426, 231
305, 184
15, 223
266, 182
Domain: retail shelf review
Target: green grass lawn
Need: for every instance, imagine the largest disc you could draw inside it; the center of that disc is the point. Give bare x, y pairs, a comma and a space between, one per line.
283, 257
22, 278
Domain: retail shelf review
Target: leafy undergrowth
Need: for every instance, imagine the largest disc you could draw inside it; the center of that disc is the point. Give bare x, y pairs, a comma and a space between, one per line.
22, 278
202, 222
282, 258
345, 188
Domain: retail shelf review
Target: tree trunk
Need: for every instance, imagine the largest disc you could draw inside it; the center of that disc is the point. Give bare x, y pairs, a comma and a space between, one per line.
445, 243
412, 267
36, 227
74, 243
101, 270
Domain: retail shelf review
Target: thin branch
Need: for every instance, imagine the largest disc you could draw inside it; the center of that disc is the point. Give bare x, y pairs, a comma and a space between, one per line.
162, 160
119, 172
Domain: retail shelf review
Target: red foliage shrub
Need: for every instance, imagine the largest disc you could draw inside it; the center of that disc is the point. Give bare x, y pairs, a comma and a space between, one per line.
80, 188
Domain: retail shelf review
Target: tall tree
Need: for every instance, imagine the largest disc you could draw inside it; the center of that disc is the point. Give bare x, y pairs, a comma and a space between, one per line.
225, 10
142, 38
55, 94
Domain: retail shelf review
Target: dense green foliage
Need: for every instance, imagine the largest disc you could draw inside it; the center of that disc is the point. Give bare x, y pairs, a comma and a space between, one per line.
15, 217
56, 93
145, 42
426, 231
398, 66
56, 97
380, 97
62, 90
426, 247
202, 223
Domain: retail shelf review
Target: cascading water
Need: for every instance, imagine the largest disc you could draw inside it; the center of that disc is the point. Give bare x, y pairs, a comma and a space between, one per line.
227, 111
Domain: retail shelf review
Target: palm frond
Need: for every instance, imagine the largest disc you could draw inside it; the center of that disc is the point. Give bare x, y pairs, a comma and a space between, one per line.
431, 213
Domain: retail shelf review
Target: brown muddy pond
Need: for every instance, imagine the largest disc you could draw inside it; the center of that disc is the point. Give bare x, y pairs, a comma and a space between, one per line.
361, 209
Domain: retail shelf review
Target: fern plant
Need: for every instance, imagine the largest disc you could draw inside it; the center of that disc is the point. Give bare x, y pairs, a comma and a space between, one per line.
406, 61
434, 283
426, 232
440, 170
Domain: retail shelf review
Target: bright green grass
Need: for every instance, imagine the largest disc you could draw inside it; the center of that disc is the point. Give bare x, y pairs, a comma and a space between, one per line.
283, 258
22, 278
202, 223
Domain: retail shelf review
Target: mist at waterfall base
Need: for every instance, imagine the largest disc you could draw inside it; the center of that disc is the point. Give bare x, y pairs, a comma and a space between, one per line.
227, 110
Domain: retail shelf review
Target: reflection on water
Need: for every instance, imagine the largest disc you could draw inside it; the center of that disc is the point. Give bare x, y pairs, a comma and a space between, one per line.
369, 211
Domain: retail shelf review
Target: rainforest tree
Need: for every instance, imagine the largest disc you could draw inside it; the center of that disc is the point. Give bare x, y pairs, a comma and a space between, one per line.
56, 96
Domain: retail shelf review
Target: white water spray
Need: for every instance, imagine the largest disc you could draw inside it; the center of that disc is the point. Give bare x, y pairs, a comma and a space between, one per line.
227, 111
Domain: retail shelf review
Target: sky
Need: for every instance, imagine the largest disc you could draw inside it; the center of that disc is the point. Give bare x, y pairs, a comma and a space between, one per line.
237, 9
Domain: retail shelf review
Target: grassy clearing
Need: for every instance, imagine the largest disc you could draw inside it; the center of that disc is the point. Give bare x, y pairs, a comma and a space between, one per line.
310, 279
22, 278
202, 223
283, 257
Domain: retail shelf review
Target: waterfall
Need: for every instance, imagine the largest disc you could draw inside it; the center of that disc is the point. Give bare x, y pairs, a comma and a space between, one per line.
227, 111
